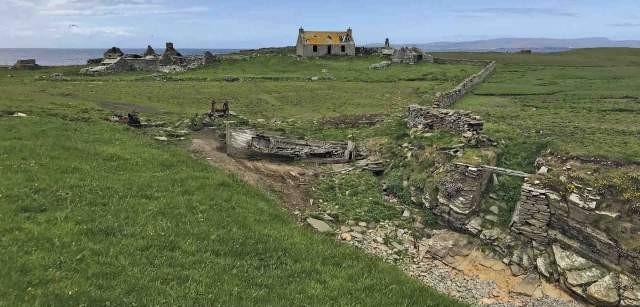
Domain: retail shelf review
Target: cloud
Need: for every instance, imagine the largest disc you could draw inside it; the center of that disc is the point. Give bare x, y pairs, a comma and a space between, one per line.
105, 8
625, 25
520, 11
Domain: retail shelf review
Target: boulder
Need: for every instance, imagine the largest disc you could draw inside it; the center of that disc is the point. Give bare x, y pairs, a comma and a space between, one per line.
319, 225
490, 234
475, 225
582, 277
604, 292
492, 218
544, 266
516, 270
527, 286
577, 200
231, 79
568, 261
629, 291
543, 170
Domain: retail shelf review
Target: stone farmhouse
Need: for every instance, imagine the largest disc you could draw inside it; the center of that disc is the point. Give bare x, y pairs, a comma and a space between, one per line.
322, 43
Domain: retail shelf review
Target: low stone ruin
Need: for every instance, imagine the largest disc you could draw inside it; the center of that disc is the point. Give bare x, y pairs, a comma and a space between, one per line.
247, 143
150, 52
25, 64
410, 55
171, 60
454, 121
113, 53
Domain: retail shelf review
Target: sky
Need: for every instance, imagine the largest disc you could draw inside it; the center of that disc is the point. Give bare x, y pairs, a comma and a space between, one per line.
251, 23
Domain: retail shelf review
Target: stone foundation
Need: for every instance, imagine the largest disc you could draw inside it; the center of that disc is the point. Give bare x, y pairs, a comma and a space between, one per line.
455, 121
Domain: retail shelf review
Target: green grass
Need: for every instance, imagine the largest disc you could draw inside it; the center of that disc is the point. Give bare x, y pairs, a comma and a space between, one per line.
355, 196
96, 214
581, 103
274, 87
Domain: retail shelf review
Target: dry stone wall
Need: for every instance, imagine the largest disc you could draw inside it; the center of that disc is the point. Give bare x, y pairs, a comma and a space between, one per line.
459, 195
532, 214
455, 121
448, 98
460, 61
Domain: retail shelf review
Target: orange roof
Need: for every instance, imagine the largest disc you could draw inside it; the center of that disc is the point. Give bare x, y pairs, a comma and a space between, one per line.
325, 38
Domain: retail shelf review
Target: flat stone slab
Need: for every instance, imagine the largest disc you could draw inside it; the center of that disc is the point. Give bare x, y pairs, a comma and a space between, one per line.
577, 278
604, 291
577, 200
569, 261
319, 225
527, 286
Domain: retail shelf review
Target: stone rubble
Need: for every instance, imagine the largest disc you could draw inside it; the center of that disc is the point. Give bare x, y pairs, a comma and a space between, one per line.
455, 121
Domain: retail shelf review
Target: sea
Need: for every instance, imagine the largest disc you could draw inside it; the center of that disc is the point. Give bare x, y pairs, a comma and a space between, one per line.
60, 57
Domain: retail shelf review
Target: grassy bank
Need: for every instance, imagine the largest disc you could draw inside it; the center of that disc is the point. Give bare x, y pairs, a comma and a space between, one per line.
95, 214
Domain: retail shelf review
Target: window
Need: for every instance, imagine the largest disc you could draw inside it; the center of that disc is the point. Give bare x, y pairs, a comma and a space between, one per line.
343, 48
315, 48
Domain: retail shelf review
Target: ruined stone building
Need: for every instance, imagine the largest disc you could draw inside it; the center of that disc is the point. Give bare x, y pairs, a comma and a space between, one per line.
322, 43
171, 60
407, 55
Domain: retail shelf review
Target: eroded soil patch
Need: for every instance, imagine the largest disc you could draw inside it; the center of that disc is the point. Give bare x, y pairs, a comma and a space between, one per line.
290, 183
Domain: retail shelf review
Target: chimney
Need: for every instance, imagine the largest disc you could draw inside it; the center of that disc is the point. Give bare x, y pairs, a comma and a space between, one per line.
350, 32
386, 44
301, 30
169, 46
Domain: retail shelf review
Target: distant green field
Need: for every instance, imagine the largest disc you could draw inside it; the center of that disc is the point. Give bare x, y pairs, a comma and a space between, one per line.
273, 87
583, 102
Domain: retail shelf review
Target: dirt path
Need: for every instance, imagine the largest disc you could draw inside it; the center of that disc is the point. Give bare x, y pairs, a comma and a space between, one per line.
289, 183
474, 278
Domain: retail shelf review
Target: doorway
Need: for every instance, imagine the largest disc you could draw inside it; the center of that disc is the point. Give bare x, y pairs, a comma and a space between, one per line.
329, 50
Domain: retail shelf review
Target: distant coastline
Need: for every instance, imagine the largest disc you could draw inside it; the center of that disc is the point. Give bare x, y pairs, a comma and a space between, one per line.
71, 56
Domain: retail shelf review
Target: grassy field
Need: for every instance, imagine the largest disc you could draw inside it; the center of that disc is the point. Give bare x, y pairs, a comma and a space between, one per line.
93, 213
96, 214
582, 102
273, 87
